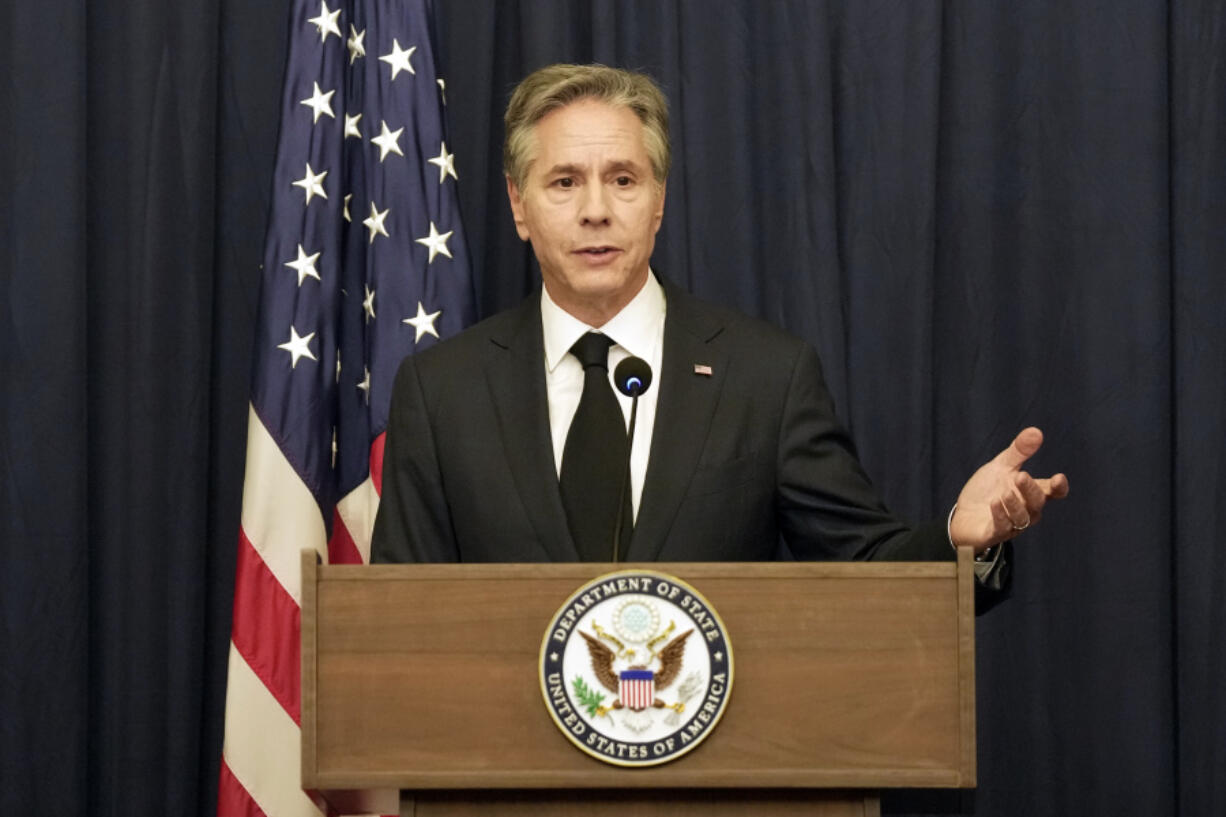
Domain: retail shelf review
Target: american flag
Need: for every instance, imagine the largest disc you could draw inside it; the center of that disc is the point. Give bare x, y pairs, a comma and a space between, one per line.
364, 263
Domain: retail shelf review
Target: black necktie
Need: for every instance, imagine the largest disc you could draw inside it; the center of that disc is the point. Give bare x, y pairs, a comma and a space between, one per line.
594, 459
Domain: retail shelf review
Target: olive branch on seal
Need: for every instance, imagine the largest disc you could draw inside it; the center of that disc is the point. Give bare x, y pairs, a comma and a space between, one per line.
589, 698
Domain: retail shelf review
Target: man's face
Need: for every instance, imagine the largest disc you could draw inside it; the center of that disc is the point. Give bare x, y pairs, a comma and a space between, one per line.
591, 208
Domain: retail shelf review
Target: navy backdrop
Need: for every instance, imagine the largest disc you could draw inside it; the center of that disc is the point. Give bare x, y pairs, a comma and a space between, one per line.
983, 215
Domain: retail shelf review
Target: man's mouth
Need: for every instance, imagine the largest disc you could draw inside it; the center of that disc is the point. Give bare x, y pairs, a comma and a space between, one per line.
597, 251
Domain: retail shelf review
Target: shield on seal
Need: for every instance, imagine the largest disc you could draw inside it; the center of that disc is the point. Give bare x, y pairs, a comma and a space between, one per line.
636, 688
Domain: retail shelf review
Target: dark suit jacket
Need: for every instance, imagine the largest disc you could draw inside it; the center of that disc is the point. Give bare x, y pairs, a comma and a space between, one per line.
739, 458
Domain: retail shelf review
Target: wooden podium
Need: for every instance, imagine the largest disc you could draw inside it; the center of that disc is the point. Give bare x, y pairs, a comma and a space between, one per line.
420, 685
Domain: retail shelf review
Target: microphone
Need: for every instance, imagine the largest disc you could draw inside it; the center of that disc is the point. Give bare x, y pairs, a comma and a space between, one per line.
632, 377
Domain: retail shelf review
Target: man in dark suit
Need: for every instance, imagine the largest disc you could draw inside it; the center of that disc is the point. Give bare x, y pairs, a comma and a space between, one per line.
736, 445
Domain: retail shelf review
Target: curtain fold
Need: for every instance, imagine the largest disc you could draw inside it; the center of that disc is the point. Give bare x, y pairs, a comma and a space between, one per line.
1197, 150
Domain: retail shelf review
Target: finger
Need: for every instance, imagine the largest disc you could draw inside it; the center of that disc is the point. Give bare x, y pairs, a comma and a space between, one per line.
1031, 493
1015, 510
1003, 522
1023, 447
1055, 487
1000, 520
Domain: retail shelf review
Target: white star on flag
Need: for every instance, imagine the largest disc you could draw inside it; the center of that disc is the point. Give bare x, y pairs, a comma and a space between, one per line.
304, 265
320, 103
437, 243
445, 162
368, 303
312, 183
298, 347
442, 90
351, 125
375, 222
326, 22
399, 59
423, 323
388, 141
345, 207
355, 45
364, 385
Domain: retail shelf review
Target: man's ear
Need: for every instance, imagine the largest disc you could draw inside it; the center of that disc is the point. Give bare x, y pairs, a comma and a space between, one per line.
659, 214
517, 210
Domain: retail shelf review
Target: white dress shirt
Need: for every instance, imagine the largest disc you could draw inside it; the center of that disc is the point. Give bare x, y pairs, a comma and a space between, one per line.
638, 330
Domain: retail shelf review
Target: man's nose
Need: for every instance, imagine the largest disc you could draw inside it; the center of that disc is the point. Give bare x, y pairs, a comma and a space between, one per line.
594, 205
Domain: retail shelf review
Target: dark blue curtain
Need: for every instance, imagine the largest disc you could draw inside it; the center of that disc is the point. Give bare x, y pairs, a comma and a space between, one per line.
984, 215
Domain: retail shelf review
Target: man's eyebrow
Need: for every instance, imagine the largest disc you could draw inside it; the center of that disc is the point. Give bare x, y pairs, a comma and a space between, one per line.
624, 164
615, 166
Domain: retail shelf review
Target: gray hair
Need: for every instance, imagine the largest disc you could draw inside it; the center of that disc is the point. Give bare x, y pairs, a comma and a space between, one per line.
556, 86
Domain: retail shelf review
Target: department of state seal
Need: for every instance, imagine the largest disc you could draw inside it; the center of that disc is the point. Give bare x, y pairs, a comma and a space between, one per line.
636, 668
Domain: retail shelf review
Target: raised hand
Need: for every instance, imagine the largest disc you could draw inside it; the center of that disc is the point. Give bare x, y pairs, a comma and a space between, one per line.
1000, 500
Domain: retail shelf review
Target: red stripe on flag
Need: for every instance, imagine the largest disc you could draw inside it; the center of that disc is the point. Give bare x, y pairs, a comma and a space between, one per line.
341, 549
232, 799
266, 629
376, 462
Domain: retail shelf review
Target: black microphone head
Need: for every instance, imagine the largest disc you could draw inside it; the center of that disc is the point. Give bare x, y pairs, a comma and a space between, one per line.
632, 376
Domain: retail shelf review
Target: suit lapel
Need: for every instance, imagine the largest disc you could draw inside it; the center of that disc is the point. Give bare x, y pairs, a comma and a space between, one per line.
683, 416
516, 376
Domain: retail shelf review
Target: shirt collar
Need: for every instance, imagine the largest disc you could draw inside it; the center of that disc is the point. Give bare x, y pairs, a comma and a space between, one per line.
634, 328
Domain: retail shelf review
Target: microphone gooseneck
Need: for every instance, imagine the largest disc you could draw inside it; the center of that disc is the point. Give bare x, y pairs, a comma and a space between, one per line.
632, 377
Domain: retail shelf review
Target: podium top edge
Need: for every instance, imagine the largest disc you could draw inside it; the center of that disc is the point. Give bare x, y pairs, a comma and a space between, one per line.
588, 570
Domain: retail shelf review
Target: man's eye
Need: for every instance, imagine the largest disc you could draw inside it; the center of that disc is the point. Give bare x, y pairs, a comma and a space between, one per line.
623, 181
565, 182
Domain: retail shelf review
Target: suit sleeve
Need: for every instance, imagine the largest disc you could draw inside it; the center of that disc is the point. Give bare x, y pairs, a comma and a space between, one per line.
829, 509
414, 520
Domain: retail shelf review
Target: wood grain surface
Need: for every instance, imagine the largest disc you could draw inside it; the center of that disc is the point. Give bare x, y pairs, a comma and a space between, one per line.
424, 677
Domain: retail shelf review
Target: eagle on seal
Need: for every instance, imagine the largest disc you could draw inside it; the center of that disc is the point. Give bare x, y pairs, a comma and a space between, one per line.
670, 667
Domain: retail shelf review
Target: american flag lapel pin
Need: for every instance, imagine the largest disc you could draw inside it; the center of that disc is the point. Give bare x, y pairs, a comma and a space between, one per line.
703, 369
